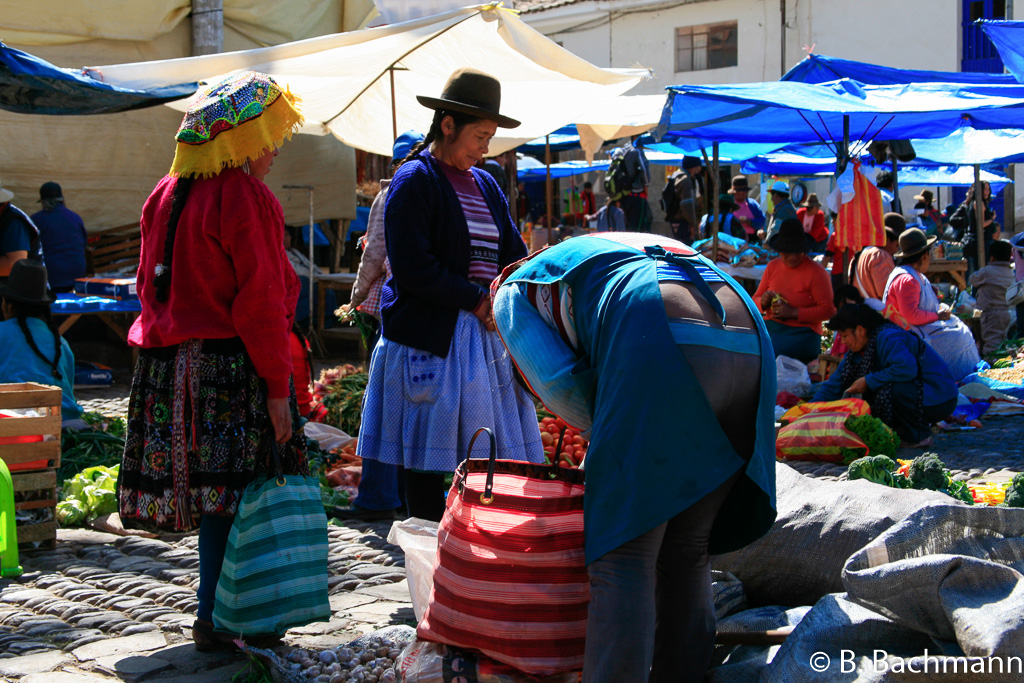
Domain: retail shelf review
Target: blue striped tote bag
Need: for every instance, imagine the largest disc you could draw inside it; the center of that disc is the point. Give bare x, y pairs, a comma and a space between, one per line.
274, 575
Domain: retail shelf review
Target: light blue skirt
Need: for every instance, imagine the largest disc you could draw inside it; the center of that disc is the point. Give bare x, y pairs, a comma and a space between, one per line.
420, 410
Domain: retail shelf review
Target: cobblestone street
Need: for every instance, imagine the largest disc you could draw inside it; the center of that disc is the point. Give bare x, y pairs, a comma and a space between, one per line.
105, 607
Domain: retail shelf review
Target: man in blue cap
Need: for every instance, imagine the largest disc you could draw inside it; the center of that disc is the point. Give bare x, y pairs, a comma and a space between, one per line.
379, 491
783, 209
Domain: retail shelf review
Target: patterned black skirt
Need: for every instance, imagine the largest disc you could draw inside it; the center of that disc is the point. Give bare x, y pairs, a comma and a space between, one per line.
198, 433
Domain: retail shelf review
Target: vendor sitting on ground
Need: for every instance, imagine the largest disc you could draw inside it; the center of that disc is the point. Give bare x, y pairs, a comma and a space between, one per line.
795, 295
33, 349
903, 379
914, 297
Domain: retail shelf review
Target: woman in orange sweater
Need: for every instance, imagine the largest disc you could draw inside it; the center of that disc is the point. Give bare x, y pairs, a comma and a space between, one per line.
795, 295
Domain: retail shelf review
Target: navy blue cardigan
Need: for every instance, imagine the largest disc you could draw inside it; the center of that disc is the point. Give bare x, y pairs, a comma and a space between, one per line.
428, 245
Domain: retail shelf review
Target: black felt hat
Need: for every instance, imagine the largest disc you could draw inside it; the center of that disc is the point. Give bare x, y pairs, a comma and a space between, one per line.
27, 284
913, 241
791, 238
471, 92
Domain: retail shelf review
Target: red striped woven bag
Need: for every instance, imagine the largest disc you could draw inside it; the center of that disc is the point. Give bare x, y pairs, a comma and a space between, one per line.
510, 579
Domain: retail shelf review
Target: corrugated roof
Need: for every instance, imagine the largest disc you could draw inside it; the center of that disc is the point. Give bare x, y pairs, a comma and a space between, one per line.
528, 6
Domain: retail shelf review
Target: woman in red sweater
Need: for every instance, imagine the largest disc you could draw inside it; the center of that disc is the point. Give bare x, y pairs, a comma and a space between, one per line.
795, 295
212, 387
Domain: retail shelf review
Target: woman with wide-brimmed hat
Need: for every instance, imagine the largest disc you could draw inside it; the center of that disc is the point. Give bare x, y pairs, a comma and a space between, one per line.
34, 351
439, 371
212, 388
748, 212
795, 295
914, 297
812, 218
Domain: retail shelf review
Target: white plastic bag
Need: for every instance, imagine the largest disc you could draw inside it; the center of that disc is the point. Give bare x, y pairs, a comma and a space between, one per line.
965, 303
327, 436
418, 540
792, 376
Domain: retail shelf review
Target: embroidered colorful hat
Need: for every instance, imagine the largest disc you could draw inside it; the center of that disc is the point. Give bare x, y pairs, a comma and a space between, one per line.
235, 119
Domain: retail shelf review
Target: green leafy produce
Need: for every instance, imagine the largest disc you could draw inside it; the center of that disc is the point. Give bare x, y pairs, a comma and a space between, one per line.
878, 436
89, 494
87, 448
71, 512
344, 403
330, 496
1015, 494
959, 490
928, 472
877, 468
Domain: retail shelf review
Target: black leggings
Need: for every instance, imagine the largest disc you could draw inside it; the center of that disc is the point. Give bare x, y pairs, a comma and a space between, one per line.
424, 494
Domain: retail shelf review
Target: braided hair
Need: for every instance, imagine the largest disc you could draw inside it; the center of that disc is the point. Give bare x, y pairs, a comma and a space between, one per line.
435, 132
24, 311
162, 281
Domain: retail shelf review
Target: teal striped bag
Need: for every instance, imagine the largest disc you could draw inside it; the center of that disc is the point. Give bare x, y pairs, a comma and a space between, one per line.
274, 575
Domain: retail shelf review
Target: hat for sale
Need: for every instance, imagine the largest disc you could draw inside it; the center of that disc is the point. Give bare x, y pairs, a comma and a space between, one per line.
739, 184
791, 238
403, 144
50, 190
27, 283
780, 187
913, 241
691, 162
471, 92
5, 194
238, 118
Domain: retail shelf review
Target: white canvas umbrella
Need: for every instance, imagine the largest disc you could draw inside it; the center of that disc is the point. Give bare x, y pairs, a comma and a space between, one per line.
361, 86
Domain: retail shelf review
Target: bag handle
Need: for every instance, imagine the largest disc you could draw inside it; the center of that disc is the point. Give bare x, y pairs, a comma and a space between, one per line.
278, 469
487, 497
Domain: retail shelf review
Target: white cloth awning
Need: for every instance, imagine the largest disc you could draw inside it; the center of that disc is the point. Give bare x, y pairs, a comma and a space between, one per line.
345, 80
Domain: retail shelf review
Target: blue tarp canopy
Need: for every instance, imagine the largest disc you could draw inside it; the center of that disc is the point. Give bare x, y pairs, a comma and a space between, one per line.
562, 139
822, 69
530, 170
790, 112
29, 85
1008, 37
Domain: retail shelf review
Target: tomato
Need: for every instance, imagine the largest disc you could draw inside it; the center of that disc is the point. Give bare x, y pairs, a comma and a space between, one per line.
553, 429
547, 438
578, 440
549, 450
548, 421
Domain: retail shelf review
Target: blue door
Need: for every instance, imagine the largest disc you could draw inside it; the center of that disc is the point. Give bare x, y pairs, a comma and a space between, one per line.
978, 52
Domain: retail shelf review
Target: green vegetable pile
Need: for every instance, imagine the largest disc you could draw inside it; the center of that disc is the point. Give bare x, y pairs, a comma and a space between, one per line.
1015, 494
101, 445
87, 495
925, 472
878, 436
344, 402
880, 469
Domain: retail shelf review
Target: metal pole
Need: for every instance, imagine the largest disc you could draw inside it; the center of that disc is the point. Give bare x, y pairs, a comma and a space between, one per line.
979, 216
394, 105
312, 276
845, 151
714, 202
897, 205
547, 188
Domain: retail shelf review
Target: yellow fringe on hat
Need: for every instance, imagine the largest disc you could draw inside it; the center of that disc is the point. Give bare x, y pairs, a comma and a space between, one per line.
249, 140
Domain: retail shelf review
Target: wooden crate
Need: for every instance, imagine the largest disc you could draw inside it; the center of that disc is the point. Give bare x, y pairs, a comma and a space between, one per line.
41, 487
36, 455
115, 249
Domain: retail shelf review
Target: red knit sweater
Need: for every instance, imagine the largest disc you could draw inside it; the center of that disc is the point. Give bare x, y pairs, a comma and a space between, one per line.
230, 276
807, 288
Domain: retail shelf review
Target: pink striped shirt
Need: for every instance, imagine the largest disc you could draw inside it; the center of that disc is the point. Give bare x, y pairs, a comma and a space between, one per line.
483, 232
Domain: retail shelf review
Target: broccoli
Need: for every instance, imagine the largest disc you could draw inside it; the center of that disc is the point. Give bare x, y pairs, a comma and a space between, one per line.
878, 436
928, 472
1015, 494
876, 468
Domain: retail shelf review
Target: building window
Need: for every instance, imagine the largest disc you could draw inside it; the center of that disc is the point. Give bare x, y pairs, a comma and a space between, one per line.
711, 46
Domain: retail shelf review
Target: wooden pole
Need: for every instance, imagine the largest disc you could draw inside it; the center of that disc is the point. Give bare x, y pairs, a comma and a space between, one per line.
844, 277
979, 216
547, 188
207, 27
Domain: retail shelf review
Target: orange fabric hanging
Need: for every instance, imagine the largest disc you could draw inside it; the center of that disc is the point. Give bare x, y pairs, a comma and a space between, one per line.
860, 223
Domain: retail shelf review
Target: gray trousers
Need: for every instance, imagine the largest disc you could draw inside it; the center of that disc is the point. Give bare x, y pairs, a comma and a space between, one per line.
652, 615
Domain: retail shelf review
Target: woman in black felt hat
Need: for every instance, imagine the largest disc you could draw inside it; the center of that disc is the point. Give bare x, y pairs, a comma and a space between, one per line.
795, 295
440, 371
33, 349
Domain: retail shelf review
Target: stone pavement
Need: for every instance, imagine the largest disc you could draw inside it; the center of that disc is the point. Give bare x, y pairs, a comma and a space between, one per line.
105, 607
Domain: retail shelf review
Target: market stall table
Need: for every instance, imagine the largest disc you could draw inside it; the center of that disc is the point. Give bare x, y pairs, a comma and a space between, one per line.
341, 282
955, 270
112, 312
